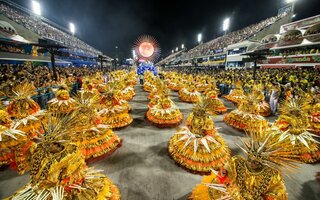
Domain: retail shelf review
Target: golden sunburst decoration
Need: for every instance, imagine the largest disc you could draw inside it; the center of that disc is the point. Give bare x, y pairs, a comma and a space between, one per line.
147, 48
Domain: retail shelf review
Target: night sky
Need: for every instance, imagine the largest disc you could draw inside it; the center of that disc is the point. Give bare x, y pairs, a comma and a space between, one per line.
105, 24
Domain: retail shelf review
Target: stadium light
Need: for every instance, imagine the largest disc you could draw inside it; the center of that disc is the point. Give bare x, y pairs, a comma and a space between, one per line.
226, 24
294, 15
182, 46
199, 37
177, 49
172, 51
290, 1
36, 7
72, 28
133, 54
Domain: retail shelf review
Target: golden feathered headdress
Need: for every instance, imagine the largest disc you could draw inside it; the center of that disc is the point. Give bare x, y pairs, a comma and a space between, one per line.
264, 147
22, 91
202, 106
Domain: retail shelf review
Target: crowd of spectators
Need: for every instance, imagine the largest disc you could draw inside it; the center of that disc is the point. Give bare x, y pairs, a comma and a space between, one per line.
11, 48
293, 80
41, 76
45, 30
222, 42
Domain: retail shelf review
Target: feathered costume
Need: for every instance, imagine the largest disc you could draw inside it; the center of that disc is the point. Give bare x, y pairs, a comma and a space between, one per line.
292, 126
246, 116
62, 103
114, 112
58, 170
95, 140
27, 118
256, 177
198, 147
189, 93
165, 113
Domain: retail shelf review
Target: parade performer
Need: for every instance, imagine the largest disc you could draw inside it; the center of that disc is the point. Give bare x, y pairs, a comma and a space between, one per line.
292, 125
27, 118
94, 139
62, 103
114, 112
246, 116
198, 147
189, 93
58, 169
216, 105
165, 113
236, 94
258, 176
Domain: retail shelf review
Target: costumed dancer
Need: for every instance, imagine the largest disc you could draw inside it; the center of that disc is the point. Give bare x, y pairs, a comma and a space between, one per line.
216, 105
198, 147
10, 138
94, 139
314, 114
115, 111
263, 107
165, 113
58, 169
246, 116
189, 93
27, 118
292, 126
236, 94
258, 176
62, 103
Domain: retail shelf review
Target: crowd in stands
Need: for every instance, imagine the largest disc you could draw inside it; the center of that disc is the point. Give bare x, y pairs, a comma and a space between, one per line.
11, 48
288, 52
45, 30
293, 80
222, 42
40, 76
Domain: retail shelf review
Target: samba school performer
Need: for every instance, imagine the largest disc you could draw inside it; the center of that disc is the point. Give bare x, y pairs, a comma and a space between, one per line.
198, 147
58, 169
256, 176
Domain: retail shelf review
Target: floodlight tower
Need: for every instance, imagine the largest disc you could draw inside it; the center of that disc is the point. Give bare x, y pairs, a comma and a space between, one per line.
72, 28
226, 25
36, 8
199, 38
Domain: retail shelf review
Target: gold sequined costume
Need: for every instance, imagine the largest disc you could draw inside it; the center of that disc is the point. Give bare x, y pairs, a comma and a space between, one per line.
256, 177
62, 103
165, 113
198, 147
189, 93
95, 140
59, 171
246, 116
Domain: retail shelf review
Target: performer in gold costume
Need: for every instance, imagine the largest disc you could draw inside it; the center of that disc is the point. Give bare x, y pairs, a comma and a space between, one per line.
246, 117
27, 118
95, 140
292, 126
257, 177
314, 114
10, 138
58, 169
236, 94
216, 105
62, 103
115, 111
263, 107
165, 113
189, 93
198, 147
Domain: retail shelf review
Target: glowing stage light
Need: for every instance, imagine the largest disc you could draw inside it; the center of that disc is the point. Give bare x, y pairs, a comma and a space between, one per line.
182, 46
146, 47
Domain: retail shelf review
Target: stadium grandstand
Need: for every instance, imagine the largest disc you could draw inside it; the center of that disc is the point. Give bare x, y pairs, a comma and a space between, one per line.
21, 30
216, 49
